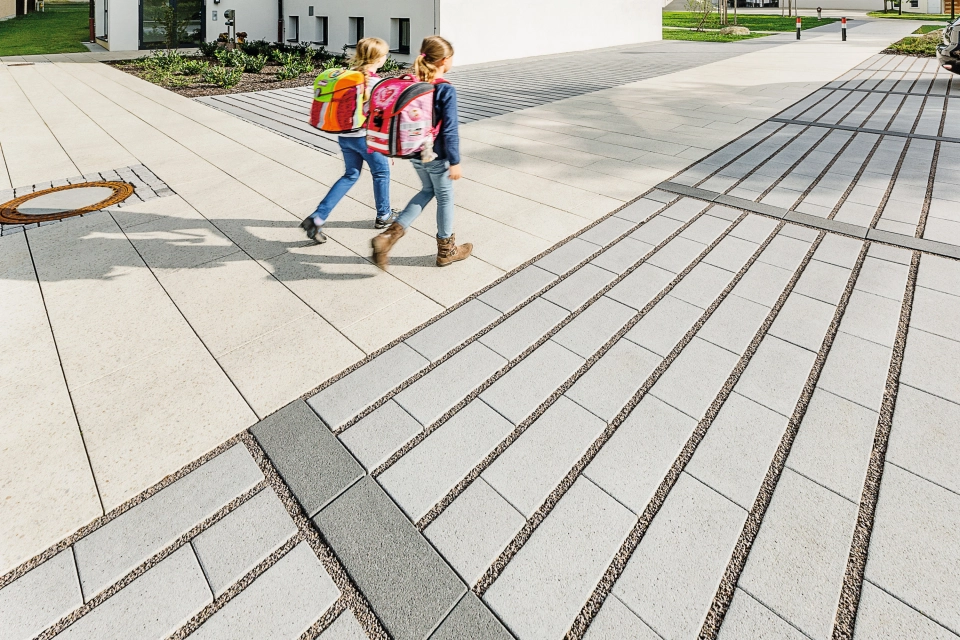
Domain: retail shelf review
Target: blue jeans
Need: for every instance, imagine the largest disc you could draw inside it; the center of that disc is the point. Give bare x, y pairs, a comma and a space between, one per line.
354, 155
435, 177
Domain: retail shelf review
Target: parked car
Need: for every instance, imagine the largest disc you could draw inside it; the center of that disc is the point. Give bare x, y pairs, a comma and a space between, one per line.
948, 52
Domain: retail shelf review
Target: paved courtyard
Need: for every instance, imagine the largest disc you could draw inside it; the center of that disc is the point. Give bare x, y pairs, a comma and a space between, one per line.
725, 409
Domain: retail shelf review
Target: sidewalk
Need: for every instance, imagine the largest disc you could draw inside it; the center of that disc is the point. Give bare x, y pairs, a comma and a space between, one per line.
150, 334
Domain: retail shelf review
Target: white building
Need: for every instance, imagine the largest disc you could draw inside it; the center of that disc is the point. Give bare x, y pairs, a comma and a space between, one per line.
481, 30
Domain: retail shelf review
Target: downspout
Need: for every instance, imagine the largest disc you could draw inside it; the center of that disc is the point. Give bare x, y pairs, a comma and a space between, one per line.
280, 22
436, 17
93, 29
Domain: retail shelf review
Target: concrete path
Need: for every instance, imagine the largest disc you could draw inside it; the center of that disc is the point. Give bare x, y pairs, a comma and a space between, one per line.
151, 334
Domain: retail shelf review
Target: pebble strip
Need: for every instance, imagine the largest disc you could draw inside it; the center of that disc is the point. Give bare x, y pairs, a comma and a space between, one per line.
494, 571
857, 561
619, 563
728, 584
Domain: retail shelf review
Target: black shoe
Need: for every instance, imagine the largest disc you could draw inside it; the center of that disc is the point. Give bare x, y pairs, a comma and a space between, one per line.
313, 231
383, 223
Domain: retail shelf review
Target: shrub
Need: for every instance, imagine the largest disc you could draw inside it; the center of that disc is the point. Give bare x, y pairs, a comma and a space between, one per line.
208, 48
192, 67
293, 69
923, 46
224, 77
254, 64
257, 48
392, 65
234, 58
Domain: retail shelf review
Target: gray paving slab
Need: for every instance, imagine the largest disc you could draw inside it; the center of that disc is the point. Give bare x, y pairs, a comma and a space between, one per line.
657, 230
310, 459
544, 587
749, 205
695, 377
623, 255
615, 620
936, 312
518, 288
471, 619
838, 250
437, 392
607, 231
281, 603
803, 321
939, 274
734, 324
345, 627
36, 600
776, 374
522, 330
677, 255
424, 475
873, 318
736, 452
567, 256
406, 582
153, 606
924, 439
731, 253
242, 539
856, 369
747, 618
634, 461
345, 398
641, 286
834, 442
590, 330
797, 562
116, 548
763, 283
380, 434
702, 285
572, 292
673, 575
639, 210
882, 278
913, 551
785, 252
664, 325
613, 380
556, 440
452, 330
823, 281
881, 616
474, 530
518, 393
684, 190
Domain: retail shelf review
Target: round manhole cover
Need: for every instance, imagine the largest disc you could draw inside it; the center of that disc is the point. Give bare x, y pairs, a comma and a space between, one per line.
62, 202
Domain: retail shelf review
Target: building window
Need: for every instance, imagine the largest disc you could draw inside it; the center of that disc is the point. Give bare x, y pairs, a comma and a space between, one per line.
356, 31
321, 35
294, 29
400, 35
310, 10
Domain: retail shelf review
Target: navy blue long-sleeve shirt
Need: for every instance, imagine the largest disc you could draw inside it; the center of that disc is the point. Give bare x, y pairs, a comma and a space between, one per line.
447, 143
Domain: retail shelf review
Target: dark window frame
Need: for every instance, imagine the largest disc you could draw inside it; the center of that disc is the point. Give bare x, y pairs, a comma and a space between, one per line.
323, 23
295, 24
357, 23
403, 37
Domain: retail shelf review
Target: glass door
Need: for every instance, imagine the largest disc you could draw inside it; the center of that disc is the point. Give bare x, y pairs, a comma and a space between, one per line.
171, 23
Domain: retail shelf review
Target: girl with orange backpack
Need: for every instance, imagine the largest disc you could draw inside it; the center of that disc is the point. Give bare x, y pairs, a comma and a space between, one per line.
436, 168
370, 55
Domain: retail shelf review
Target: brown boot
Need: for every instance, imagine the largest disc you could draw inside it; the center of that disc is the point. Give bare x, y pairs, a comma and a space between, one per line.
448, 252
384, 242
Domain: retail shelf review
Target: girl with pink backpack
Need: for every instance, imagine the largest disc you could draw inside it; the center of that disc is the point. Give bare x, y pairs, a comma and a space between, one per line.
437, 173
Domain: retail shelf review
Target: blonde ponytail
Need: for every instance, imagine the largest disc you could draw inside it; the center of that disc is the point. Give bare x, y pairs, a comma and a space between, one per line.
368, 51
432, 51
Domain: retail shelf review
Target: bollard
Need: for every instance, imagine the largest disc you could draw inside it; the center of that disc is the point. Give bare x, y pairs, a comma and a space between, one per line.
843, 29
798, 27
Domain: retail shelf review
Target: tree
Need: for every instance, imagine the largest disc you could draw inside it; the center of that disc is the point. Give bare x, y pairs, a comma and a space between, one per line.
702, 10
172, 26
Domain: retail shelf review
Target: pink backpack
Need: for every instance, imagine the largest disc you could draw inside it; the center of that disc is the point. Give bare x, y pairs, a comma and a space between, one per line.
401, 119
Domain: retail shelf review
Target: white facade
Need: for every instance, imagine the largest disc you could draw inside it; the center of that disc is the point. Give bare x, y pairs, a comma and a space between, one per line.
480, 30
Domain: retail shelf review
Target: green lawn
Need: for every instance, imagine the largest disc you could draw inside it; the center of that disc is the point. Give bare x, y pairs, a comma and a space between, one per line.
924, 46
705, 36
751, 21
929, 17
59, 29
927, 28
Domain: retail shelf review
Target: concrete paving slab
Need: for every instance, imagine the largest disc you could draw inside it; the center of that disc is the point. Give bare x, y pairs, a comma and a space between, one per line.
41, 597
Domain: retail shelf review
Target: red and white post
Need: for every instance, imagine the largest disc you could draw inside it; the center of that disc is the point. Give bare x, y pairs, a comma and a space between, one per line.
843, 29
798, 27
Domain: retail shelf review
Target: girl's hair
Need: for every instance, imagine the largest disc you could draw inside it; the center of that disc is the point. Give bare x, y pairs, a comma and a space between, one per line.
432, 51
368, 51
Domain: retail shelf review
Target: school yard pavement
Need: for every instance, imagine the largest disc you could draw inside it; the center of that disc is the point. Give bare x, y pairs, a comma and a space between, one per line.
727, 408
